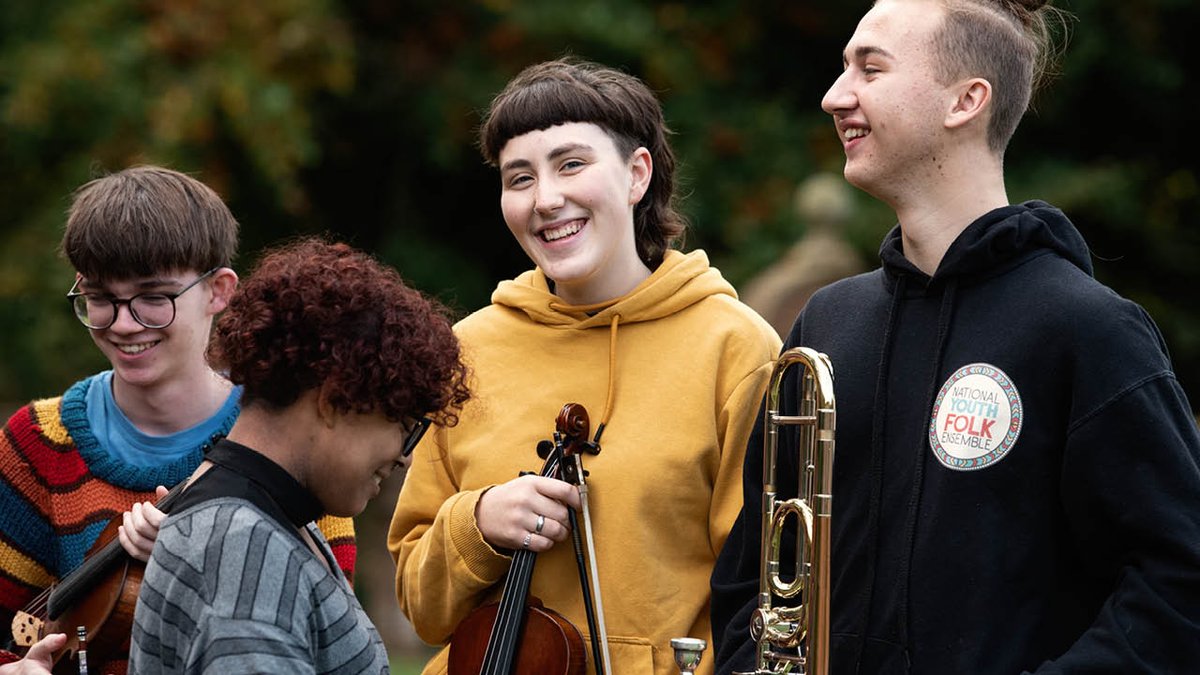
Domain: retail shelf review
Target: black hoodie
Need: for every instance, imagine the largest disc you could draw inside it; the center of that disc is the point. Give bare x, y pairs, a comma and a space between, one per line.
1017, 472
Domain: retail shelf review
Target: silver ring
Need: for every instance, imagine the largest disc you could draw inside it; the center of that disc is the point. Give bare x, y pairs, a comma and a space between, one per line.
541, 522
528, 537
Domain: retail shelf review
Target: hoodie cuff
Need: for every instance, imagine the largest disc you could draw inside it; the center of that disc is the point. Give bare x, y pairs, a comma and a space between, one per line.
476, 554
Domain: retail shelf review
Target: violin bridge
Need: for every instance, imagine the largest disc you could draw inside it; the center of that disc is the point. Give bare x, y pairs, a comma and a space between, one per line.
26, 629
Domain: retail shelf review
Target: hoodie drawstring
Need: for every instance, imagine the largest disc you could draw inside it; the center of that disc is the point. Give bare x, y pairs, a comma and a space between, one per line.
878, 420
914, 500
612, 377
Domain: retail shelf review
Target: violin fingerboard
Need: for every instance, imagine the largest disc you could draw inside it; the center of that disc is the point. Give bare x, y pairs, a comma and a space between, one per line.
26, 629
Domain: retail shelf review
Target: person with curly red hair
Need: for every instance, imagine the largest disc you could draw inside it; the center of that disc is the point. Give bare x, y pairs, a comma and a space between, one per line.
342, 368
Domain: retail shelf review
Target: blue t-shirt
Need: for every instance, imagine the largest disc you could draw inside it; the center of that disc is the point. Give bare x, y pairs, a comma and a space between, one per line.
121, 439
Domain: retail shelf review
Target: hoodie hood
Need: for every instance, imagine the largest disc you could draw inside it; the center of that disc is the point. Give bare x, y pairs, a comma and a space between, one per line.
995, 242
680, 281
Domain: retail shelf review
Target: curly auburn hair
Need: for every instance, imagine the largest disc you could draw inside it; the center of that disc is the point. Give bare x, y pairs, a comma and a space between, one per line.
317, 314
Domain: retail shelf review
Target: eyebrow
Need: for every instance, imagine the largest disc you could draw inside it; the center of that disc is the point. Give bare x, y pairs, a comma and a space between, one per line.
557, 152
567, 148
863, 52
93, 287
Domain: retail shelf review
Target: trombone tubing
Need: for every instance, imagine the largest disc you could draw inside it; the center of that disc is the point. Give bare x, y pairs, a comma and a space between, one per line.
813, 508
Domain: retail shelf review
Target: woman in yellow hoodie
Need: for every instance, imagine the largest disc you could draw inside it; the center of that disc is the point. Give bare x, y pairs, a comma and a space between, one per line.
652, 341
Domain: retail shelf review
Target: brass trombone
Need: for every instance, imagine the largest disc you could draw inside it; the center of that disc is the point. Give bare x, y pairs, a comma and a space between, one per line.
795, 639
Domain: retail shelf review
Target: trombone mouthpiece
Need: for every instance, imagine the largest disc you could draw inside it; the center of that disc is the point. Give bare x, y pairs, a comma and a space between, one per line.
688, 652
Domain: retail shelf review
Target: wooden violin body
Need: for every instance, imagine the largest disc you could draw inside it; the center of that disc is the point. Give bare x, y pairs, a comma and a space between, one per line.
548, 643
518, 634
106, 612
100, 595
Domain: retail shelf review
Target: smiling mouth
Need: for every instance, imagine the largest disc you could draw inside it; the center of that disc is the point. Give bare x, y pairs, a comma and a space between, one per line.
136, 349
555, 233
856, 132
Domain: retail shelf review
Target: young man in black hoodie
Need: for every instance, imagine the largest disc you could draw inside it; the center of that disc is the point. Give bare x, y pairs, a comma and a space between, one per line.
1017, 481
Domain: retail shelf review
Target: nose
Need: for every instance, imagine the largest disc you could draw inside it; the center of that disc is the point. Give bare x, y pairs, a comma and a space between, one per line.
839, 98
547, 196
124, 322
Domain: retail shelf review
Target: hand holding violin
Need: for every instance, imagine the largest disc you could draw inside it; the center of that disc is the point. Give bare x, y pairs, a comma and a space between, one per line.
39, 659
508, 514
139, 527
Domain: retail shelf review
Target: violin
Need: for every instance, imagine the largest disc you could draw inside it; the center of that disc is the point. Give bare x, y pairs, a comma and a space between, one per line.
519, 634
99, 596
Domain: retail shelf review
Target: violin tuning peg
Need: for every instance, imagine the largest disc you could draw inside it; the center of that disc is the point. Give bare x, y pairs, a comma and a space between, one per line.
525, 473
544, 448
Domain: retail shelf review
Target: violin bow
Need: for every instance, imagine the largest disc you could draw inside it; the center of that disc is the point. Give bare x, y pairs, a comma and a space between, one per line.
574, 415
595, 575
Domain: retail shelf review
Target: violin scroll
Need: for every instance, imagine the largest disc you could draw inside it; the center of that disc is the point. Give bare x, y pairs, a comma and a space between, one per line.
571, 438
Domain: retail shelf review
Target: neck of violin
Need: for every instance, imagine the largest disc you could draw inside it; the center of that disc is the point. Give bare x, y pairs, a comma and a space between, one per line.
506, 632
80, 581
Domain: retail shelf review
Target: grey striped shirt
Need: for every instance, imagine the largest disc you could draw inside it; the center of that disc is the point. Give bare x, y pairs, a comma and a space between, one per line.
230, 590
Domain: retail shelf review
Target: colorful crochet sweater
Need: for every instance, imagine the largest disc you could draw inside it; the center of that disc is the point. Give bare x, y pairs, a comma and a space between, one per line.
59, 488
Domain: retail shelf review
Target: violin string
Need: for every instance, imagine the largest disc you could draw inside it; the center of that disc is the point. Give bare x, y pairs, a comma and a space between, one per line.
508, 615
512, 600
503, 624
38, 604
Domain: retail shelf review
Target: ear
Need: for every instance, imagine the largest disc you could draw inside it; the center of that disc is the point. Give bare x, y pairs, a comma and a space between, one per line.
971, 99
325, 410
223, 282
641, 169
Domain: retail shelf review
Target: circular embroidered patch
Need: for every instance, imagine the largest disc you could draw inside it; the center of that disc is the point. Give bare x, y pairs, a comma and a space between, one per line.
976, 418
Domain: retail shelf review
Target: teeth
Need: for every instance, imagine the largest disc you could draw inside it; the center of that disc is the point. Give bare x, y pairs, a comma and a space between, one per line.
856, 132
136, 349
560, 232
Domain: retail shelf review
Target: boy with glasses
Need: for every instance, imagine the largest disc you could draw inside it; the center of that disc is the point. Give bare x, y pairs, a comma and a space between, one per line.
151, 250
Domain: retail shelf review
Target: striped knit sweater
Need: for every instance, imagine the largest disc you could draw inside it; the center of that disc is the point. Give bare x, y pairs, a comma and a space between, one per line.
59, 487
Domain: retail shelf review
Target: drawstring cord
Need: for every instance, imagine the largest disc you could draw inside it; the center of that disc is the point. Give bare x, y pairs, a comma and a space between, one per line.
612, 355
612, 377
878, 421
944, 314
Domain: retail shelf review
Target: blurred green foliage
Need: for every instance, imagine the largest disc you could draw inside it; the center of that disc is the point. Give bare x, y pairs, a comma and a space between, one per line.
357, 118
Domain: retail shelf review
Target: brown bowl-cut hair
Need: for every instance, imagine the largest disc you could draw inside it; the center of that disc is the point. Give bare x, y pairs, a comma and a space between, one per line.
567, 90
316, 314
147, 220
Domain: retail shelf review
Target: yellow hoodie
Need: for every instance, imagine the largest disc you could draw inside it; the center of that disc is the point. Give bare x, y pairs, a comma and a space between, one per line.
677, 368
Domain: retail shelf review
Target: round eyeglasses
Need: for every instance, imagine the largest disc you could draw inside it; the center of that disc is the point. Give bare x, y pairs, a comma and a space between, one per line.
152, 310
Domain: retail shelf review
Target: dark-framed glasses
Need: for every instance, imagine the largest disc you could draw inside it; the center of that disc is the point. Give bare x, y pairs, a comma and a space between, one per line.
413, 436
152, 310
